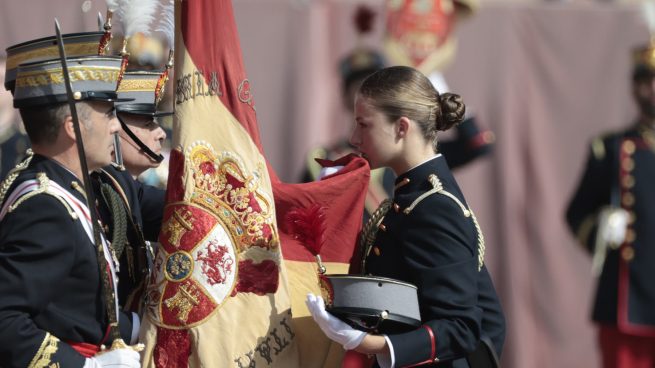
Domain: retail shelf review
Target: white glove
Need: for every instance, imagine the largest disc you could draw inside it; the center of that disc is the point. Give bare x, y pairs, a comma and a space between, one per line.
333, 328
126, 358
612, 226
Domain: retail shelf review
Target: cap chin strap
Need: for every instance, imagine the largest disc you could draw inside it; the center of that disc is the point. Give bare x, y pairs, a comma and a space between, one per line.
155, 157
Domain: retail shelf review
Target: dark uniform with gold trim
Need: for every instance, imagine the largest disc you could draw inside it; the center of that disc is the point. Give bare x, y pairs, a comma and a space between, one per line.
49, 278
430, 238
623, 162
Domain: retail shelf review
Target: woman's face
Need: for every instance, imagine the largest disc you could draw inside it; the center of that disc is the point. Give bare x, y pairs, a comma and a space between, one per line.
374, 136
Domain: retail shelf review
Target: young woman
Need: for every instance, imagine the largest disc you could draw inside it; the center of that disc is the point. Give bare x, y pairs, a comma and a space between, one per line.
426, 235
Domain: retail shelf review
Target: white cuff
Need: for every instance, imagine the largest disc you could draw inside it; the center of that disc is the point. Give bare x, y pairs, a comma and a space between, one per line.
384, 360
136, 325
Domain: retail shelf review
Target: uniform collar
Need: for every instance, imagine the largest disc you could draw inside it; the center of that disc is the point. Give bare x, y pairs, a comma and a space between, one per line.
416, 177
58, 173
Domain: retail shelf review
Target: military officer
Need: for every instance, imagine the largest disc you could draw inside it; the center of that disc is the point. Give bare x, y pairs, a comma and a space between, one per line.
53, 310
612, 213
141, 205
427, 235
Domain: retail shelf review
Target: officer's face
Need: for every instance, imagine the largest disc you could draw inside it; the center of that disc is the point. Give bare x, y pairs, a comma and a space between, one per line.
373, 135
150, 133
99, 124
644, 92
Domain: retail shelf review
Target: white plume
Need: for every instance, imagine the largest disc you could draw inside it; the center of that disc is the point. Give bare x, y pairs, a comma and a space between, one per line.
648, 10
112, 5
137, 16
166, 24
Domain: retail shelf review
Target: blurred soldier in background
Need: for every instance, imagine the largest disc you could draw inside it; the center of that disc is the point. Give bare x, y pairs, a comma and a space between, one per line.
613, 216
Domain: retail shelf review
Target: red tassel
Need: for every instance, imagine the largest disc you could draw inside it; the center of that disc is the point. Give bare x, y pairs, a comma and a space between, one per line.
307, 225
122, 71
104, 42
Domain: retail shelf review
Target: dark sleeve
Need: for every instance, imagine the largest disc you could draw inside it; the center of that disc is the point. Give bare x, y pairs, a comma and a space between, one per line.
125, 323
151, 200
493, 319
31, 266
592, 193
470, 143
440, 249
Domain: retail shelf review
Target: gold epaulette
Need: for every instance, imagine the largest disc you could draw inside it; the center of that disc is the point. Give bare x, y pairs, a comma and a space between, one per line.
13, 174
598, 148
598, 145
43, 188
43, 356
437, 187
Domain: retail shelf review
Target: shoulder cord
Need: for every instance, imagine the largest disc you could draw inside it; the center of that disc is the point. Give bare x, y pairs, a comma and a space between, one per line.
437, 187
118, 218
121, 199
13, 174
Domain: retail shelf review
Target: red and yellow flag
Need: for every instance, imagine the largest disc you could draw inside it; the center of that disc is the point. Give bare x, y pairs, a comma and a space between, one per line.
419, 32
221, 293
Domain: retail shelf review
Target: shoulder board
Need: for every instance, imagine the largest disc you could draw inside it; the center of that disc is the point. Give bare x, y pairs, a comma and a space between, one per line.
13, 174
31, 188
599, 144
437, 187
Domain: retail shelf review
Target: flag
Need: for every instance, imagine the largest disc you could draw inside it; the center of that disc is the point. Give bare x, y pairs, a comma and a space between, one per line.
419, 32
221, 292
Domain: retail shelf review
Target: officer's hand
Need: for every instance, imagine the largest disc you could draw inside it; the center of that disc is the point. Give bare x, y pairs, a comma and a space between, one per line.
333, 328
124, 358
612, 226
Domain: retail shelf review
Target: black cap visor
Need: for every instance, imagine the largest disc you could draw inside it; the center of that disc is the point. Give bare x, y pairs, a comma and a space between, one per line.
145, 109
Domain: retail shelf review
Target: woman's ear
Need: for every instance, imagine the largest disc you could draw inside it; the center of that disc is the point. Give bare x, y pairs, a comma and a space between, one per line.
402, 127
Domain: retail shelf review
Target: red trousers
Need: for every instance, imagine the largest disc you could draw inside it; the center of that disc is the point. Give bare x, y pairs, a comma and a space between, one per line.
625, 351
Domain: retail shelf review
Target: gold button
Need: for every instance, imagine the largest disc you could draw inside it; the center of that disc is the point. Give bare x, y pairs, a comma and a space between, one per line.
628, 181
629, 147
628, 253
376, 250
382, 227
77, 95
628, 199
396, 207
630, 236
628, 164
